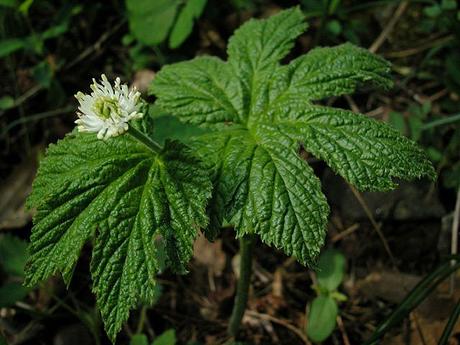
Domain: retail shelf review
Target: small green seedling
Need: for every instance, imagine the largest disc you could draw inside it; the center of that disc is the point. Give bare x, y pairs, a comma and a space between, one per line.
324, 309
166, 338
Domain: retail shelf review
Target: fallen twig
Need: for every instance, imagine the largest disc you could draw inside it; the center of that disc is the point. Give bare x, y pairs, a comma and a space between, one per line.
280, 322
376, 226
389, 27
345, 233
345, 339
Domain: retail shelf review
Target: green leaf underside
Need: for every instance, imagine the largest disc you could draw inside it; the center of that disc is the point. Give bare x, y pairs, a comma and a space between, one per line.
263, 112
121, 194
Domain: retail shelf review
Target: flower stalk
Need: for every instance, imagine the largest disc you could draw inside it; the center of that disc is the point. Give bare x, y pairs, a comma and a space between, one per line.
143, 139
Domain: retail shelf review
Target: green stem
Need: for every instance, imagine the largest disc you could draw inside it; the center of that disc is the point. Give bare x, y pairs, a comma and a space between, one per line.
142, 138
242, 289
440, 122
142, 317
415, 297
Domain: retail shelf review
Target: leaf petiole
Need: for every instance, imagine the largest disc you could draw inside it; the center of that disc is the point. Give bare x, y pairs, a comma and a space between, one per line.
142, 138
242, 291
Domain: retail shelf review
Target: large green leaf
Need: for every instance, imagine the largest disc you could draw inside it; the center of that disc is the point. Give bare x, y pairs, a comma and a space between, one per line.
169, 127
124, 196
262, 112
330, 71
201, 92
264, 187
255, 50
150, 21
258, 45
365, 152
184, 23
13, 255
10, 293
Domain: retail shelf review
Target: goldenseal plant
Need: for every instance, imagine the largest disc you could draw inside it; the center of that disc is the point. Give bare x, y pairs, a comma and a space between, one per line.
262, 112
133, 198
108, 181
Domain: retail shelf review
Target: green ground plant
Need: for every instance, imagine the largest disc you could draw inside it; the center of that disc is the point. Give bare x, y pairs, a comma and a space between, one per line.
152, 22
13, 256
166, 338
324, 308
142, 203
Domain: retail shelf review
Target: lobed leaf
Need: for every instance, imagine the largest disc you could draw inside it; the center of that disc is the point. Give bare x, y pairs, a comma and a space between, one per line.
264, 112
254, 52
200, 92
123, 195
261, 44
367, 153
263, 186
330, 71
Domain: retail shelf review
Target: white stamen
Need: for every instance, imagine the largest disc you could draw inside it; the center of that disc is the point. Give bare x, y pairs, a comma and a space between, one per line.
107, 110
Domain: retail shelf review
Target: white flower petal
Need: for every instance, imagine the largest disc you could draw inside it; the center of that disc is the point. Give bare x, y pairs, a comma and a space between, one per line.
107, 110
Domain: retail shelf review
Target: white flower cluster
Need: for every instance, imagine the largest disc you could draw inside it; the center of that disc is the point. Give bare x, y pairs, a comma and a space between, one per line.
107, 110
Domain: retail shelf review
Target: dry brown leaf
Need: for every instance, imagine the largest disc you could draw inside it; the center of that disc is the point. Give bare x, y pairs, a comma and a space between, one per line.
142, 80
210, 254
432, 314
431, 332
387, 285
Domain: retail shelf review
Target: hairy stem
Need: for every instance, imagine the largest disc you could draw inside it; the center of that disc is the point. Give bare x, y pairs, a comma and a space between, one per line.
242, 289
142, 138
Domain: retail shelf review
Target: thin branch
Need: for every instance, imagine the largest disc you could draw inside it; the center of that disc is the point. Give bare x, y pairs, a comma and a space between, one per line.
389, 27
374, 224
96, 46
36, 117
345, 233
416, 50
281, 322
345, 339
